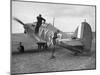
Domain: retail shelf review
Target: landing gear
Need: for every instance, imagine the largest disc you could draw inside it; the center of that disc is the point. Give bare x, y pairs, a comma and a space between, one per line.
42, 45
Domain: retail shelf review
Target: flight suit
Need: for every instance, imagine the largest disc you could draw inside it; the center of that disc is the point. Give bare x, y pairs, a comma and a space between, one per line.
39, 23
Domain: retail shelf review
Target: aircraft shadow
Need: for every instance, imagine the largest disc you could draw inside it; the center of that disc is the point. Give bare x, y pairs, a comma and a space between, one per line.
29, 51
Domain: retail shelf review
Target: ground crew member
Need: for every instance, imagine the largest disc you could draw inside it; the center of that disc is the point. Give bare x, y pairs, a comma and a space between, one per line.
21, 47
55, 37
54, 43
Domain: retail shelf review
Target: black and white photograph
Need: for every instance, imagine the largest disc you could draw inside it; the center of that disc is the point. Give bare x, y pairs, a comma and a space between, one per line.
52, 37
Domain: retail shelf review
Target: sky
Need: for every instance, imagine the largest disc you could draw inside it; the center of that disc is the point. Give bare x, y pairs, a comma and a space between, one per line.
67, 17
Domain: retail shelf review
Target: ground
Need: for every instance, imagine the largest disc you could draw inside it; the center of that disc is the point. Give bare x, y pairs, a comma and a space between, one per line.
34, 60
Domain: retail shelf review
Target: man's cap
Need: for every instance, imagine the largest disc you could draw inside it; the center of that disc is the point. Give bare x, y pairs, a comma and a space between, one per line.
40, 15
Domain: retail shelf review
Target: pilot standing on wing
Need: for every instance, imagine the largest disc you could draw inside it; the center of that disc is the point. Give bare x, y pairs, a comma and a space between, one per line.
39, 22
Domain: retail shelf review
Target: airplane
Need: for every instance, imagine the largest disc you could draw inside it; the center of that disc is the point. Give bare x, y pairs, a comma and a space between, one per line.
79, 42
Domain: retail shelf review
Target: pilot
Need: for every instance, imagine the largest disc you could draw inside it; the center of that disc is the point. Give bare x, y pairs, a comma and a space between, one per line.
21, 47
39, 22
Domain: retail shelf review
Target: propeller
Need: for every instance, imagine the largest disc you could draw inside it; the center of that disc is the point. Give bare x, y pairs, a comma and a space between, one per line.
16, 19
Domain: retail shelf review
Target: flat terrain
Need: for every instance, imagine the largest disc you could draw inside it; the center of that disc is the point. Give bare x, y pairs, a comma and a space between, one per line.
34, 60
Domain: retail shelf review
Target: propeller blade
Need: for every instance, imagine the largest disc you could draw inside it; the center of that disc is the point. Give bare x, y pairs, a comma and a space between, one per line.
16, 19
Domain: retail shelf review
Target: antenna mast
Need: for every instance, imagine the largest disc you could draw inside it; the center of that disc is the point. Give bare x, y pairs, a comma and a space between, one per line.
53, 21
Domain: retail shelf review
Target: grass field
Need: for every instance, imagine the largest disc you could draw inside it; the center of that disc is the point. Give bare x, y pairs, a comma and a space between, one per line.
39, 61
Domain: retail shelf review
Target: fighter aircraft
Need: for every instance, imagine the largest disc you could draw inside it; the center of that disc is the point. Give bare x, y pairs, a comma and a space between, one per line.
79, 42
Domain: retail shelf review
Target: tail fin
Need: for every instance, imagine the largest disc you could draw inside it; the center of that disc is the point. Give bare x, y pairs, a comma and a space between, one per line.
84, 33
16, 19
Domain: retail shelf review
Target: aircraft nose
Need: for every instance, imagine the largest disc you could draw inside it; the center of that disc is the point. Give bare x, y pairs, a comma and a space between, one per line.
25, 27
